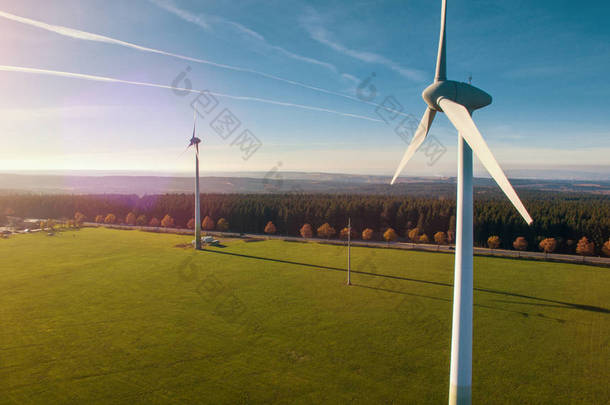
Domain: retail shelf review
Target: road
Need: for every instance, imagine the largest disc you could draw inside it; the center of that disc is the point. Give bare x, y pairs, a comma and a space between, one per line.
555, 257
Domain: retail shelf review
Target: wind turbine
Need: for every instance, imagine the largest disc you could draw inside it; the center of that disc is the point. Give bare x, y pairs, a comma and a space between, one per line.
458, 101
195, 142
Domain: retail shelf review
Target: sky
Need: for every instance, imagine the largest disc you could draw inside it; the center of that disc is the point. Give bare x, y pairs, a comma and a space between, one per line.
297, 77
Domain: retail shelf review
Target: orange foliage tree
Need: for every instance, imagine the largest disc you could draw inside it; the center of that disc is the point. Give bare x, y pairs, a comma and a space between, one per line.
306, 231
584, 247
167, 221
326, 230
208, 224
367, 234
390, 235
270, 228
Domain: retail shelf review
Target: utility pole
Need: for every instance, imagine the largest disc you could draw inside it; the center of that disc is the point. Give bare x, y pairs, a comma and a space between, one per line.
349, 252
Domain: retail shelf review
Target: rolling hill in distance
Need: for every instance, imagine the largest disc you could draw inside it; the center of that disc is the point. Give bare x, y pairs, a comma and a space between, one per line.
269, 182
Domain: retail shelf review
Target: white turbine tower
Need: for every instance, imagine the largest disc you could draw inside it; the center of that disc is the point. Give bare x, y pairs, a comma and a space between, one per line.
458, 101
195, 142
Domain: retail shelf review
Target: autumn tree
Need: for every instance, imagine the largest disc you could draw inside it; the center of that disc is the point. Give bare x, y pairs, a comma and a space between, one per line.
222, 225
79, 218
584, 247
548, 245
440, 238
413, 234
345, 231
493, 242
326, 231
306, 231
167, 221
606, 248
270, 228
191, 223
154, 222
141, 220
520, 243
208, 224
424, 238
110, 219
367, 234
99, 219
130, 219
390, 235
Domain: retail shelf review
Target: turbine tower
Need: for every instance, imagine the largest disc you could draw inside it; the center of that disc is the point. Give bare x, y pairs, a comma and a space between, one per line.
195, 142
458, 101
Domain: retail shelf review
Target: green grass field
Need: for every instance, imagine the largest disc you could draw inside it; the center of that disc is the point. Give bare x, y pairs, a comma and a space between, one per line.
105, 316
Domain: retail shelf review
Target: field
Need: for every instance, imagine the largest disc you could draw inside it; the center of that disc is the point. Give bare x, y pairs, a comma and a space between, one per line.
106, 316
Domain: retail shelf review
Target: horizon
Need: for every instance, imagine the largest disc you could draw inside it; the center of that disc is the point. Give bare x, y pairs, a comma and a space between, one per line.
579, 173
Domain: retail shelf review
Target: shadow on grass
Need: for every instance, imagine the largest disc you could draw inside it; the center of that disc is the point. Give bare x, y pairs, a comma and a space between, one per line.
523, 313
553, 303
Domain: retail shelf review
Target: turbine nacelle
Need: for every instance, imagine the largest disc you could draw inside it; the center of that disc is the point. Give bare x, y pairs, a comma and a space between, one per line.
464, 94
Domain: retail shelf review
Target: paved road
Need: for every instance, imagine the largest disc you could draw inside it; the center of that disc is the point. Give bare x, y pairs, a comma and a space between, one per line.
556, 257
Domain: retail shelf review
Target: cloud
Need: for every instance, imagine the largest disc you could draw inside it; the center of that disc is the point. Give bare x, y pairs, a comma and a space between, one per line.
206, 22
88, 36
19, 69
312, 23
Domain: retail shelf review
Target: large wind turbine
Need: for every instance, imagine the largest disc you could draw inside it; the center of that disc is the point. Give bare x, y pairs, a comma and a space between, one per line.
458, 101
195, 142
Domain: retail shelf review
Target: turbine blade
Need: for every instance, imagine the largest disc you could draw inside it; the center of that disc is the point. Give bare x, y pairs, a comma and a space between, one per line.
194, 121
418, 139
461, 119
441, 60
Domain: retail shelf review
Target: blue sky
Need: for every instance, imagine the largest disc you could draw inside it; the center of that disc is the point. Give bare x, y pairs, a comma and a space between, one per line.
543, 62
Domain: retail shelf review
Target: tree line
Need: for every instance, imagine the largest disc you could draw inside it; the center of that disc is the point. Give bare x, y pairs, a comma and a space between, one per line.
565, 218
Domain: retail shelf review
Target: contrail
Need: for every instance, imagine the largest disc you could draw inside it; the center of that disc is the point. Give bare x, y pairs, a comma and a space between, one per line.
88, 36
163, 86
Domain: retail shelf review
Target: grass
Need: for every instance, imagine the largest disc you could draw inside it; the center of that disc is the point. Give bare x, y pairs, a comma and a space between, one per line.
107, 316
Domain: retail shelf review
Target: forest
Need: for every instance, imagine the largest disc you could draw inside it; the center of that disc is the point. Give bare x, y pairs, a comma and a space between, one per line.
567, 217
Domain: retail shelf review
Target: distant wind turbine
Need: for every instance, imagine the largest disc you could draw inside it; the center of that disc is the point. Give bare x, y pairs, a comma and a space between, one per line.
458, 101
195, 142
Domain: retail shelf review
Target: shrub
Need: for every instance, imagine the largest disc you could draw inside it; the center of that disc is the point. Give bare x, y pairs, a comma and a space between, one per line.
367, 234
306, 231
154, 222
548, 245
413, 234
493, 242
326, 231
191, 223
270, 228
110, 219
520, 243
584, 247
345, 231
208, 224
390, 235
167, 221
424, 239
440, 238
